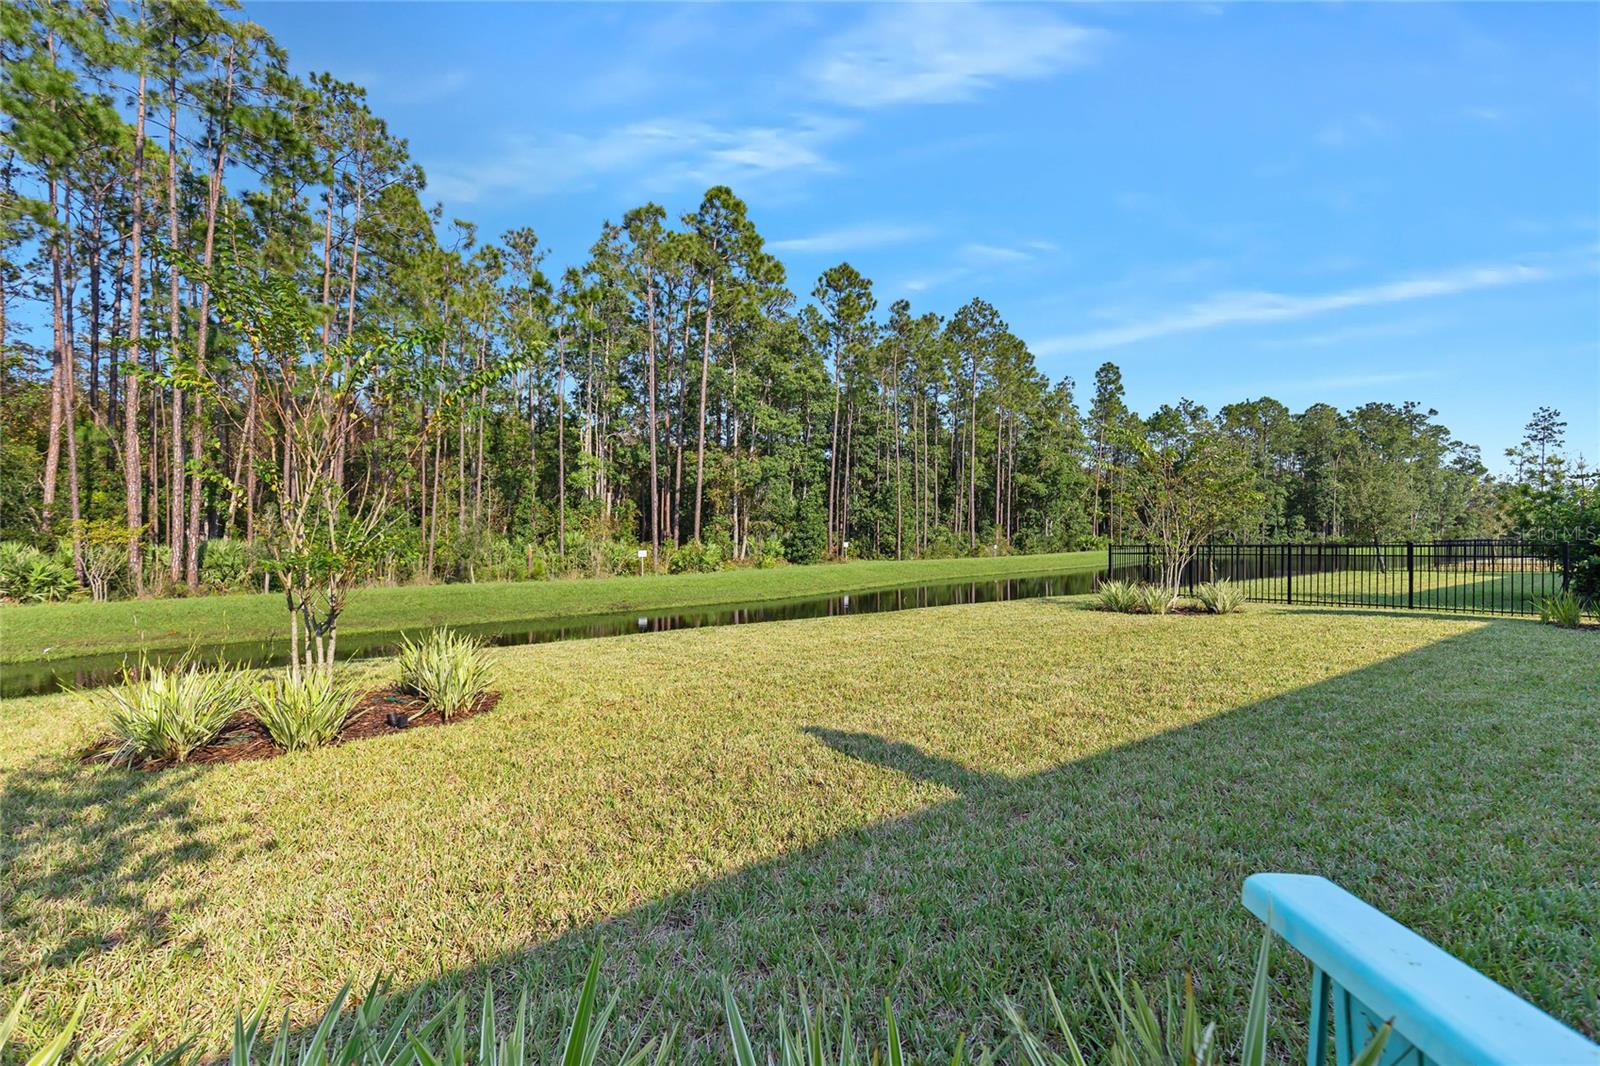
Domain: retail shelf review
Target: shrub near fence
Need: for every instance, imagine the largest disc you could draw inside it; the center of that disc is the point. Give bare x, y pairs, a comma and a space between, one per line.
1483, 576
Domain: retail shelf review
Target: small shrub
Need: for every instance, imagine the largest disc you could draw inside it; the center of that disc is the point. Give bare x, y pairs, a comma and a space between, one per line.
1565, 610
29, 575
225, 564
167, 711
1119, 596
447, 669
307, 713
695, 559
1154, 599
1220, 597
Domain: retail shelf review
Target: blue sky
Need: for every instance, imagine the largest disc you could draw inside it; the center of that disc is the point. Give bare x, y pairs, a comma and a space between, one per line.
1340, 203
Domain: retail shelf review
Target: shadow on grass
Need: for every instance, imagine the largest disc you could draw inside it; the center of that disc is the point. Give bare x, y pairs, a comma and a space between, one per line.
81, 855
1468, 818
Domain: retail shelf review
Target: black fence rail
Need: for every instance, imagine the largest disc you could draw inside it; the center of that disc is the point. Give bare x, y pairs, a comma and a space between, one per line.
1483, 576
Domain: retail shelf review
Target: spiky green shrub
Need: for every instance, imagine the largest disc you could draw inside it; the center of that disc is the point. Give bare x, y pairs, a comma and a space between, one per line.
449, 670
1220, 597
1142, 1035
225, 564
1118, 596
29, 575
307, 713
1154, 599
384, 1030
1565, 610
167, 710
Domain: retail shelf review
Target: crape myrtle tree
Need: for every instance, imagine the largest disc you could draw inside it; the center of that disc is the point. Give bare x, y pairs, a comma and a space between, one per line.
1187, 481
326, 533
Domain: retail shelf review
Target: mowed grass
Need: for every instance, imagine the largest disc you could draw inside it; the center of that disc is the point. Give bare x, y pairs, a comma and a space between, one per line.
59, 630
941, 806
1511, 592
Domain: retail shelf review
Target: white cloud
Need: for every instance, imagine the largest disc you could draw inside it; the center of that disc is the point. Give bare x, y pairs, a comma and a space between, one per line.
1228, 309
977, 257
1348, 132
995, 253
850, 238
1336, 338
936, 53
1336, 383
934, 280
666, 152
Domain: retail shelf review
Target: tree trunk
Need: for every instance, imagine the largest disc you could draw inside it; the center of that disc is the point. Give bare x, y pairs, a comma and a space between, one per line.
833, 452
561, 448
69, 397
197, 430
655, 480
130, 404
700, 446
175, 496
58, 387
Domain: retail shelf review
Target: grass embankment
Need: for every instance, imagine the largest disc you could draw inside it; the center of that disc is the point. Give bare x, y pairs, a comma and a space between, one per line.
54, 631
941, 806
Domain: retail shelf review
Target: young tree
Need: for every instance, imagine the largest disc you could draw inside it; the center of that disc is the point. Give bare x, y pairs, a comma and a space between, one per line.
1187, 482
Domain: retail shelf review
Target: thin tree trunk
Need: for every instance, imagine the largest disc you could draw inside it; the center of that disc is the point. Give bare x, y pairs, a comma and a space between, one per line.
133, 490
561, 447
69, 378
175, 495
197, 430
58, 388
655, 480
700, 446
833, 452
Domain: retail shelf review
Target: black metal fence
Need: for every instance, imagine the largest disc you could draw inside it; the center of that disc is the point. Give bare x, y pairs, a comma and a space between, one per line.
1484, 576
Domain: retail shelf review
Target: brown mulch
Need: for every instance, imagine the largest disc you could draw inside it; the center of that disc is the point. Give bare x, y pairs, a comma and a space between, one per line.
244, 738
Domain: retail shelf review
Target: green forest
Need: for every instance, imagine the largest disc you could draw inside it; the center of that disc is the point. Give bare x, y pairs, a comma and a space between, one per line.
225, 290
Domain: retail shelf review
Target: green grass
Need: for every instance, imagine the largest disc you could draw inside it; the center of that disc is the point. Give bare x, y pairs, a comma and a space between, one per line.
53, 631
1514, 593
939, 806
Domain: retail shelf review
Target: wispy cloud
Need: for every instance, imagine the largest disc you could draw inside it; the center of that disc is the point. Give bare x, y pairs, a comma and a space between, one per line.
850, 238
1335, 383
1348, 132
975, 257
937, 53
1335, 338
996, 253
1236, 308
666, 153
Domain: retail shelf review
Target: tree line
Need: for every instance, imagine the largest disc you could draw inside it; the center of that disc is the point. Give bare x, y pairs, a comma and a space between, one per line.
219, 278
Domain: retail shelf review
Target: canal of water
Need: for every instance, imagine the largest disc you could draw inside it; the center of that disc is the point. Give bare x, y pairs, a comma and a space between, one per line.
88, 671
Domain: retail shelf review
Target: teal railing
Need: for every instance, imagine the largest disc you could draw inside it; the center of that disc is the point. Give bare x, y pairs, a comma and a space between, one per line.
1368, 969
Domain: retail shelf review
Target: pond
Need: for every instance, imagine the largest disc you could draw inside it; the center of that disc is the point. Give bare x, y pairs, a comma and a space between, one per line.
89, 671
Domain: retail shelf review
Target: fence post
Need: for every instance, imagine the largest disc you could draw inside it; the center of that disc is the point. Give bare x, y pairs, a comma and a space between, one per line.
1288, 572
1566, 566
1108, 559
1411, 574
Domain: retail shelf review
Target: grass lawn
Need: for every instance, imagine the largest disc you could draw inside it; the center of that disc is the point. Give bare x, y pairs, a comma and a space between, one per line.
1513, 592
941, 806
53, 631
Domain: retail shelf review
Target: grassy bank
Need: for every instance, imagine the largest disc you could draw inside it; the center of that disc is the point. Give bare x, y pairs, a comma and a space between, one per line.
55, 631
940, 806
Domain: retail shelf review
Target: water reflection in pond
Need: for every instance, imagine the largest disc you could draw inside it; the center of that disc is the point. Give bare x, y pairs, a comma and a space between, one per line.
87, 671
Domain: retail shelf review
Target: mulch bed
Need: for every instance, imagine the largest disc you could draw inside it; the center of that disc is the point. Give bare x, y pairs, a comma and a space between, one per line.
244, 739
